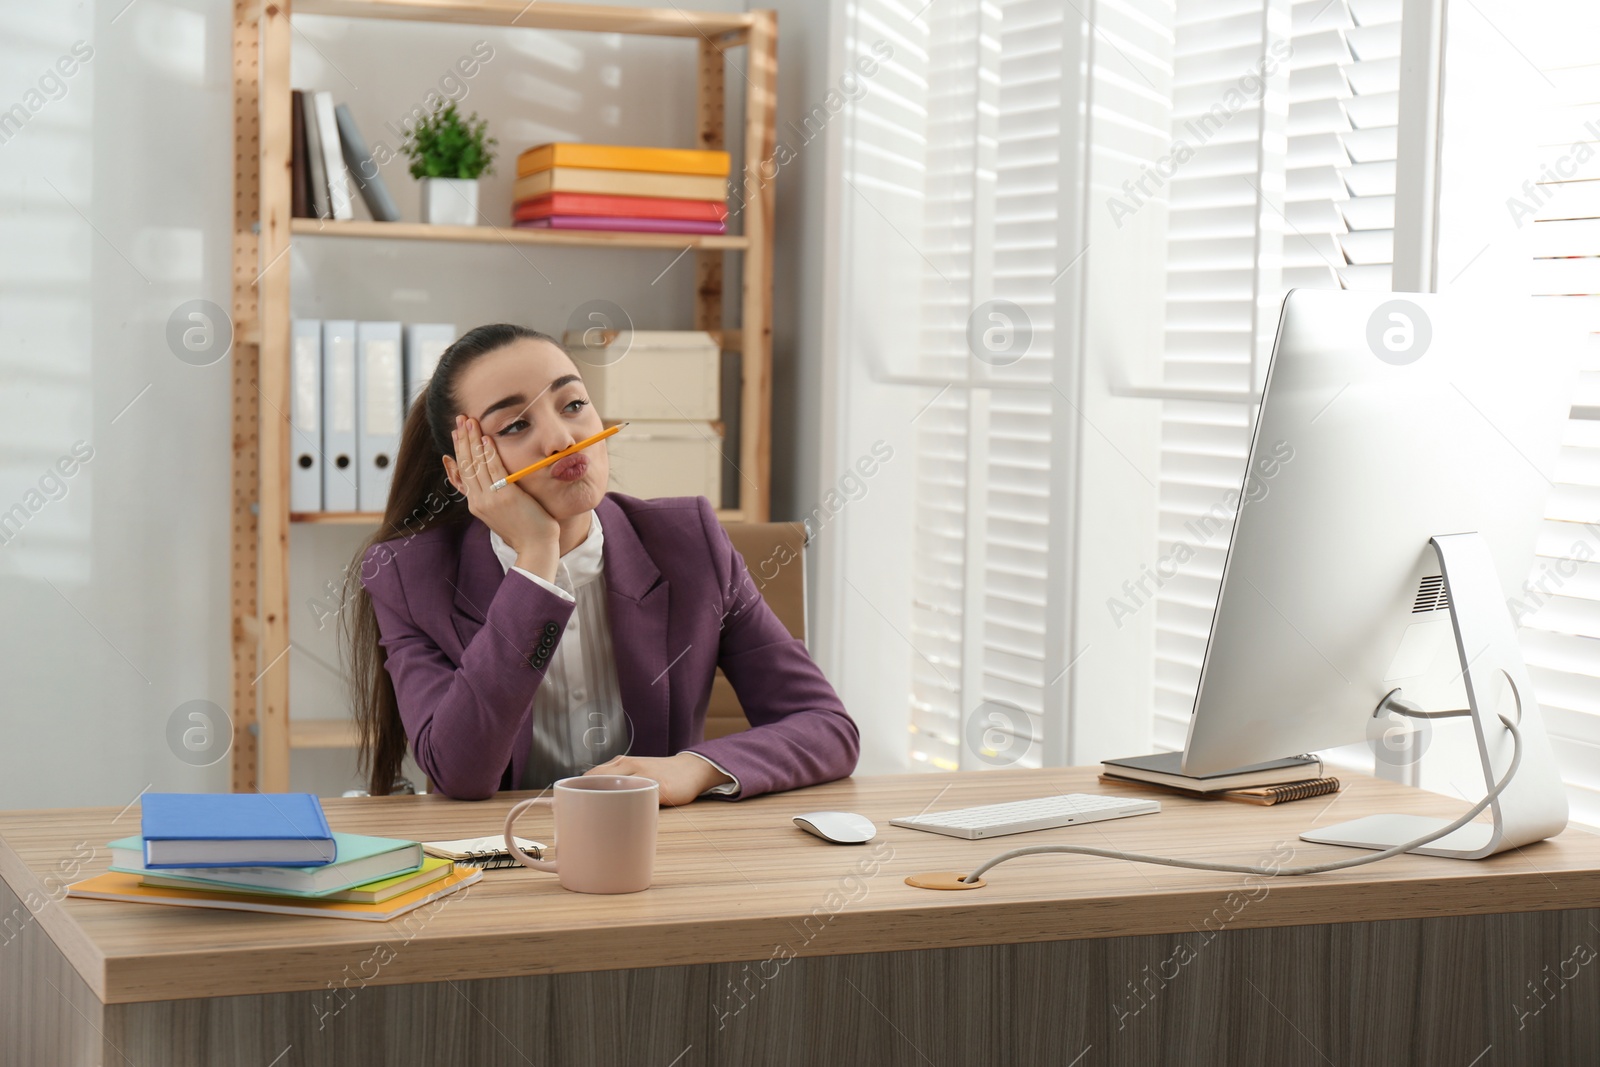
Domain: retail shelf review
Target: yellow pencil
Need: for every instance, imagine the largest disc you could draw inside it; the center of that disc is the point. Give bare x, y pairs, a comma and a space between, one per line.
565, 452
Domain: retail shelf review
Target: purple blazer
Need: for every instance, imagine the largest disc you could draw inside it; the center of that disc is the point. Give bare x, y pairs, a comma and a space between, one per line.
462, 642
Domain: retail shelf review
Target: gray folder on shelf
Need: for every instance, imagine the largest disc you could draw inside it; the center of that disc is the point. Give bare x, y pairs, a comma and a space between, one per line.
339, 415
305, 415
380, 393
425, 343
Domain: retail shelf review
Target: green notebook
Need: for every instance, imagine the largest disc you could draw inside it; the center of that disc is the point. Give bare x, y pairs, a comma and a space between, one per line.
362, 859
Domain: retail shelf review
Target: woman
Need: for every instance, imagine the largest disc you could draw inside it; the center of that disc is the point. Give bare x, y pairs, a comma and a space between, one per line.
597, 654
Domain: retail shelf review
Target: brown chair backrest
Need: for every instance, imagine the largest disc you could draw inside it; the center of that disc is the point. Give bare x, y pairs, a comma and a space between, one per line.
774, 553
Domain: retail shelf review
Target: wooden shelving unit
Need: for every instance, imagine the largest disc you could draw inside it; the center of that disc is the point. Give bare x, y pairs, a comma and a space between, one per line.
264, 734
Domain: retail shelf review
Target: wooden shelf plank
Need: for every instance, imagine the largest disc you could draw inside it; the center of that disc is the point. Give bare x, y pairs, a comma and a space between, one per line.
372, 518
658, 21
338, 518
323, 733
416, 231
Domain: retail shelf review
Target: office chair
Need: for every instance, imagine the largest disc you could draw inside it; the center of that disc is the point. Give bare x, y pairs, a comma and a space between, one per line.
765, 547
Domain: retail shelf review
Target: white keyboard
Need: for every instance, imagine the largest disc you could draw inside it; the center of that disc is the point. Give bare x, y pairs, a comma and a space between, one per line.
1020, 816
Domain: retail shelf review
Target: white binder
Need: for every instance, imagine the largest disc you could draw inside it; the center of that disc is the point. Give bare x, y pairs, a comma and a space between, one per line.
305, 415
425, 343
339, 415
380, 393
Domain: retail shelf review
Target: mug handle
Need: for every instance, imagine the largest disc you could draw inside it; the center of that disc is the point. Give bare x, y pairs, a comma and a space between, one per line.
511, 841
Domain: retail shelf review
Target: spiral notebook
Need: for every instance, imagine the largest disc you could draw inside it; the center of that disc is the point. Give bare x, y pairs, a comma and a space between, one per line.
1261, 794
486, 853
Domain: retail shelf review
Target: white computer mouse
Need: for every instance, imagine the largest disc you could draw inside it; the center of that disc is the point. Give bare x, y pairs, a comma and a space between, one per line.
839, 827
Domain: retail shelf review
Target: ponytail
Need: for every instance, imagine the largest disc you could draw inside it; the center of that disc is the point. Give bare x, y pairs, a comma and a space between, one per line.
420, 498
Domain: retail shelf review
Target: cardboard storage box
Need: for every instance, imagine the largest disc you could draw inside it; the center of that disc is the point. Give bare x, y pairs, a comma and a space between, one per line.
661, 458
649, 374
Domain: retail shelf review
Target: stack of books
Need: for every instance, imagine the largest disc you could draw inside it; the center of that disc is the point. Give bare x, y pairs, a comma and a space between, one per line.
563, 186
1276, 782
330, 163
269, 852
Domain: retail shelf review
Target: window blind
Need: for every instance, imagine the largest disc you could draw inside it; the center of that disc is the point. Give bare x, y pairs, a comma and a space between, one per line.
983, 444
983, 617
1559, 607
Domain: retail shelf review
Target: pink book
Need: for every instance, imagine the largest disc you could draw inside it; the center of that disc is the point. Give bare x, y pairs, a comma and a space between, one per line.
613, 222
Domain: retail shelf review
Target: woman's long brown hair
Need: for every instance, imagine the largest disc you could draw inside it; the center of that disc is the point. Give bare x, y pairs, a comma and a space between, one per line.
420, 498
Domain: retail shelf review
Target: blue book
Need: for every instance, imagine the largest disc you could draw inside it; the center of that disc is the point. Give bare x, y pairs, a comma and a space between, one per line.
235, 830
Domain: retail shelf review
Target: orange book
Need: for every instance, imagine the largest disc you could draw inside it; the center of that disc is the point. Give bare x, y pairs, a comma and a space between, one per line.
619, 183
622, 157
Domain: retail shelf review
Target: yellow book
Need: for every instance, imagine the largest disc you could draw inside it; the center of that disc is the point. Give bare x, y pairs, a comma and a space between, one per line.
619, 183
125, 887
622, 157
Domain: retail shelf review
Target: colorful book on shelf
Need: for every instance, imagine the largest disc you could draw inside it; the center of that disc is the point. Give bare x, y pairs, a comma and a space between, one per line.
622, 157
114, 885
299, 173
633, 207
619, 183
601, 222
234, 830
375, 892
316, 167
362, 859
332, 156
363, 168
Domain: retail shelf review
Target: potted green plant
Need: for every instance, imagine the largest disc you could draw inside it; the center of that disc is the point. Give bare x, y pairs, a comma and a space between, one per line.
447, 154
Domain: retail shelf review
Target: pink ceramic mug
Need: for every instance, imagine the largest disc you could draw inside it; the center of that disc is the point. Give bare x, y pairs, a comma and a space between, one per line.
605, 831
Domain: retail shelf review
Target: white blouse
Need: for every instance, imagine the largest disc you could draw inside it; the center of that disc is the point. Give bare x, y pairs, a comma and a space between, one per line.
578, 721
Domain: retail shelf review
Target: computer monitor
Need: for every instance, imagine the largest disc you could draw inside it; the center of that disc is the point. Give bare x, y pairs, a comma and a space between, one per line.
1398, 471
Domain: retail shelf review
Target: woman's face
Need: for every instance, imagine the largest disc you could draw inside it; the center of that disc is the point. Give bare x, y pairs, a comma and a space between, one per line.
529, 400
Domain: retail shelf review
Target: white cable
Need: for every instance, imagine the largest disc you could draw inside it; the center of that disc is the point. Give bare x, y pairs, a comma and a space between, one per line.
1240, 868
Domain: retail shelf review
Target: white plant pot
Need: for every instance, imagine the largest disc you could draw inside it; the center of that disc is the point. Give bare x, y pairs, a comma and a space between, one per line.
450, 201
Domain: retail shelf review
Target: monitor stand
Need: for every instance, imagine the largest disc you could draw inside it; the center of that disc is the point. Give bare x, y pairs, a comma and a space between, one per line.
1534, 803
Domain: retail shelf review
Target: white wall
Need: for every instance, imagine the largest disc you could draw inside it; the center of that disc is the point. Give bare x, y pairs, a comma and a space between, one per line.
114, 605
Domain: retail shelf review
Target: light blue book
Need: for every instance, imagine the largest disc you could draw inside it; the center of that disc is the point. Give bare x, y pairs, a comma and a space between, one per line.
361, 860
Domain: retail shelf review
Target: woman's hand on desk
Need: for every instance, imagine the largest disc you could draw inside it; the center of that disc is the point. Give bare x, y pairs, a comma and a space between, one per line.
682, 777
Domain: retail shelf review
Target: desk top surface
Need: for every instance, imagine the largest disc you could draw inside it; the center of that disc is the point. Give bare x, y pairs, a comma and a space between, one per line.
738, 881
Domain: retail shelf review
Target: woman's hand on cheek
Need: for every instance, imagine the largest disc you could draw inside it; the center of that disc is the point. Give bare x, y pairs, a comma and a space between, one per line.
682, 777
515, 515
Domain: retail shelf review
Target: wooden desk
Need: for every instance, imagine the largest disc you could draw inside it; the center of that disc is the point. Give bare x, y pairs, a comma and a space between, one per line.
760, 944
